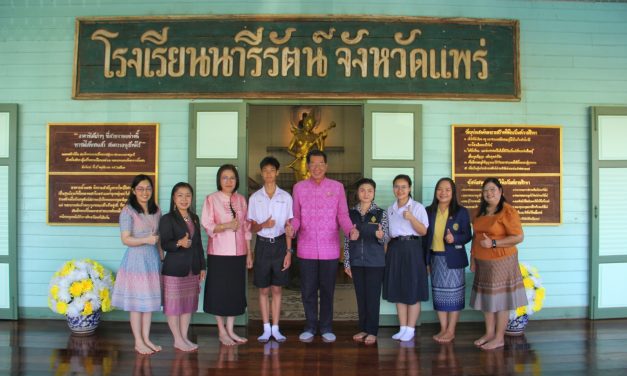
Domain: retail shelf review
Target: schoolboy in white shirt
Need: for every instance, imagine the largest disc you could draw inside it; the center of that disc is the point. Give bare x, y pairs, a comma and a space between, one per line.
270, 210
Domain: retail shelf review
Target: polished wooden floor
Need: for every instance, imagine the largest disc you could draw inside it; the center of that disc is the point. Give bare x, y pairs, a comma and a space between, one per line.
559, 347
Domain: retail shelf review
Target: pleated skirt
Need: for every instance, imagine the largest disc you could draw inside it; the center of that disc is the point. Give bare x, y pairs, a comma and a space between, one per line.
405, 280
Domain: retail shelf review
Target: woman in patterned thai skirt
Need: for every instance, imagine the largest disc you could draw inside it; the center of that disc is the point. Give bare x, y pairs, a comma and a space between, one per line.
498, 286
137, 286
446, 254
184, 264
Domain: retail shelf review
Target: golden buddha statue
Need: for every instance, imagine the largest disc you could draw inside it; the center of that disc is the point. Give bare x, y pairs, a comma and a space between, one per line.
305, 139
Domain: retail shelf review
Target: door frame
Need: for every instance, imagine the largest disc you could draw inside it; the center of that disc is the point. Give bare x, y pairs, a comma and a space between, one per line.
595, 259
12, 312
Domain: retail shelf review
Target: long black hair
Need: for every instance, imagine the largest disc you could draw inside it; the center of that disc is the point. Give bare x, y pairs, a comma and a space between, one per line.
453, 206
483, 205
132, 199
223, 168
176, 187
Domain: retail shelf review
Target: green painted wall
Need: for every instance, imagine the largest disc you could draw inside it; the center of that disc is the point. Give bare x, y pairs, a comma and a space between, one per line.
573, 55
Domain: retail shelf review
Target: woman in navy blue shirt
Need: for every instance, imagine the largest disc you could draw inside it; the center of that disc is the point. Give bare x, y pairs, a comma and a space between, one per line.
446, 254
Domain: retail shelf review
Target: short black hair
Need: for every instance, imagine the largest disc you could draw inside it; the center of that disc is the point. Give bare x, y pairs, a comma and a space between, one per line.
223, 168
316, 153
269, 160
361, 182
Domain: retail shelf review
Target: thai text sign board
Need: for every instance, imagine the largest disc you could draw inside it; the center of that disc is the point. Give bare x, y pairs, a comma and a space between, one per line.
527, 160
90, 168
304, 56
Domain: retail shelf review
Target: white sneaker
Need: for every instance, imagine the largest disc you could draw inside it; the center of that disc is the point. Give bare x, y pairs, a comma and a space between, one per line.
328, 337
306, 336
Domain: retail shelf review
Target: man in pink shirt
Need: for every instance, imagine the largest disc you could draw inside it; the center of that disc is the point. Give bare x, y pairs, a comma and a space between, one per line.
320, 210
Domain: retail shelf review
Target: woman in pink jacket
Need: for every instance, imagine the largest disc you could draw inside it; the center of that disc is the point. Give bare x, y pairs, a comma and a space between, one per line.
224, 217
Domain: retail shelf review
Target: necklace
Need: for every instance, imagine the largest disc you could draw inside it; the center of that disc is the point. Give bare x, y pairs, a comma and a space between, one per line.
186, 218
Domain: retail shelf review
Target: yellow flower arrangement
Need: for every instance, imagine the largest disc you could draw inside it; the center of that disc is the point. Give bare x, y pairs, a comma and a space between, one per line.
80, 288
534, 290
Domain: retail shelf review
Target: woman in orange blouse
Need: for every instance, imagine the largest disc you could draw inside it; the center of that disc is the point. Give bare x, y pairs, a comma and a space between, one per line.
224, 217
498, 286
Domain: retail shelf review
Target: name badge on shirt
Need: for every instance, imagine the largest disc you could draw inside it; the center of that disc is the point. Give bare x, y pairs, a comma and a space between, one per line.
455, 226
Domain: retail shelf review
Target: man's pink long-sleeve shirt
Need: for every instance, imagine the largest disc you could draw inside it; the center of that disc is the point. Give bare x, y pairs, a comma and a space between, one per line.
320, 210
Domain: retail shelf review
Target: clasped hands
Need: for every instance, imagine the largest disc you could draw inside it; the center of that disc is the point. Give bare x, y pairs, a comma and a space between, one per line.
231, 225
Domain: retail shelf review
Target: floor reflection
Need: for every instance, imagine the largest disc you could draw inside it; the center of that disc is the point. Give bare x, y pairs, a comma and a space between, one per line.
142, 365
83, 355
227, 357
525, 359
446, 362
271, 361
184, 364
407, 359
34, 347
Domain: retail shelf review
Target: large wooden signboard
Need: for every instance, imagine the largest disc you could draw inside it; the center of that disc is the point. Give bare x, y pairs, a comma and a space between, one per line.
90, 168
526, 159
279, 56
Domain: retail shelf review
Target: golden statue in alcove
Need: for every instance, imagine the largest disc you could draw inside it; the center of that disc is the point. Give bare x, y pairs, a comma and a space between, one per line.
305, 139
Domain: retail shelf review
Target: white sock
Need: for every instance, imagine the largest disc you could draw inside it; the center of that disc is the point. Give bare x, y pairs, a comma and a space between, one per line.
267, 332
408, 334
400, 333
277, 334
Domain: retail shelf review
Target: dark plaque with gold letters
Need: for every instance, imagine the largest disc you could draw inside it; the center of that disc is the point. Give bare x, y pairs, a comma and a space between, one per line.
279, 56
91, 166
527, 160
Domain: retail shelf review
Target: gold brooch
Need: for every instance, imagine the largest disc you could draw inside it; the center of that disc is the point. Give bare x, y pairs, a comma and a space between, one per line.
455, 226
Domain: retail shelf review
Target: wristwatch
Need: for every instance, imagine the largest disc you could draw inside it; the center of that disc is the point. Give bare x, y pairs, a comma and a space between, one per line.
291, 250
493, 243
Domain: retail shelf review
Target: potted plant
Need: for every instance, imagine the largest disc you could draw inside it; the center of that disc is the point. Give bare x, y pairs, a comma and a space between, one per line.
519, 317
81, 290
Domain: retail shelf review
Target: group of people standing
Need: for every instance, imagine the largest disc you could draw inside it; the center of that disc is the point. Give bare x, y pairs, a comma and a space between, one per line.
386, 252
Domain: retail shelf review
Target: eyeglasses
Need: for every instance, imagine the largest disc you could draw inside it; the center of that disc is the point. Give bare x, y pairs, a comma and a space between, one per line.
319, 164
143, 189
226, 178
491, 190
